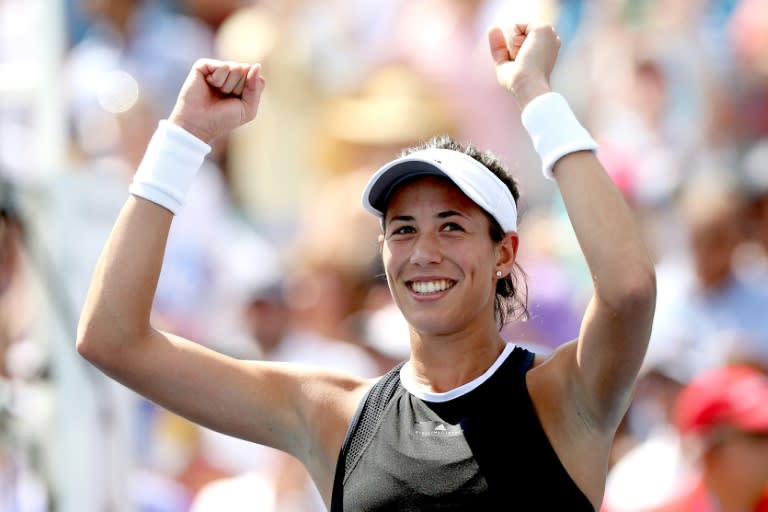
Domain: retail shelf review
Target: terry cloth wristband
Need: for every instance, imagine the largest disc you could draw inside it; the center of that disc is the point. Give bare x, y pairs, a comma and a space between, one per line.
554, 130
169, 166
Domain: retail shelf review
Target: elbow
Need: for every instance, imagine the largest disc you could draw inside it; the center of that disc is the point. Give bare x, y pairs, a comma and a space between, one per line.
641, 296
88, 343
635, 293
100, 345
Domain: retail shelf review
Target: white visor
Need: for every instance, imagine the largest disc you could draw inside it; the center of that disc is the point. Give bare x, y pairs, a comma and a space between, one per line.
472, 177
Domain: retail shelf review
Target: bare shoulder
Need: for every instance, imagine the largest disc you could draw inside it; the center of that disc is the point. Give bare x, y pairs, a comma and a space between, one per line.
323, 388
329, 401
327, 398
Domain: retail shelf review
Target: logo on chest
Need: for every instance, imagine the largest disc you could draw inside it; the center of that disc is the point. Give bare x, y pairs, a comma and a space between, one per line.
436, 429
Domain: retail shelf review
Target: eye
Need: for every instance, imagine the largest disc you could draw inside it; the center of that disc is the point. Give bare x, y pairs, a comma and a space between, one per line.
402, 230
451, 226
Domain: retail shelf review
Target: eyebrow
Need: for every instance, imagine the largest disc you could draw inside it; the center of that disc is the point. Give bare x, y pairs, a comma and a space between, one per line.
449, 213
441, 215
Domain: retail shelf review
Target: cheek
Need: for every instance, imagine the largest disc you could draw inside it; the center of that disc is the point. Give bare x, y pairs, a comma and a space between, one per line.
476, 259
478, 271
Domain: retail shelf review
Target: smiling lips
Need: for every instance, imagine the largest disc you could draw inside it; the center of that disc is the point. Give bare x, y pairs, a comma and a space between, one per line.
430, 287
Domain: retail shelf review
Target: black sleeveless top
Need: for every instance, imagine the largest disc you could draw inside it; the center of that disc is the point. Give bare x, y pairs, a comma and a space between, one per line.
484, 450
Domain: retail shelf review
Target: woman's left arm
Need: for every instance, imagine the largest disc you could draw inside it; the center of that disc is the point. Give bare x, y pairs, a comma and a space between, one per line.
616, 327
603, 365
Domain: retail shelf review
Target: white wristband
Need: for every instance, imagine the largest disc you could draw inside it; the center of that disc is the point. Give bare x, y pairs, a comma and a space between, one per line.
554, 130
169, 166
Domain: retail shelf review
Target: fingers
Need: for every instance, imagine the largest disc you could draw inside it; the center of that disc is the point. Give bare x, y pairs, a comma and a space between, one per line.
233, 78
524, 55
238, 89
227, 77
505, 45
239, 80
517, 35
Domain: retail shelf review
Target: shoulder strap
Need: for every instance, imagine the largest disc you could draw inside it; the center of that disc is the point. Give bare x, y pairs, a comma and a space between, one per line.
364, 424
527, 360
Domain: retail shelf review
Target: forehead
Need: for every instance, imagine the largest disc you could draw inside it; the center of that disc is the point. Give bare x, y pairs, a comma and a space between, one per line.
431, 193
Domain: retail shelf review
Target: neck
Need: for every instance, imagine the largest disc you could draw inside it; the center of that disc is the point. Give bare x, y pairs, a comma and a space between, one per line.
442, 363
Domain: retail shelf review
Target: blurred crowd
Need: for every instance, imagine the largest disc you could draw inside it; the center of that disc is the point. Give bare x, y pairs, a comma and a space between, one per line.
273, 257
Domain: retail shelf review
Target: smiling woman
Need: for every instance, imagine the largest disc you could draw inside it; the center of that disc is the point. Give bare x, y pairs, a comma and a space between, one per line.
446, 428
495, 192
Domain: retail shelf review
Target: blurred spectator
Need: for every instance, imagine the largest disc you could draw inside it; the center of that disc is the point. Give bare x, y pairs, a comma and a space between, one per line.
715, 456
725, 410
331, 262
637, 142
700, 297
26, 407
752, 255
281, 336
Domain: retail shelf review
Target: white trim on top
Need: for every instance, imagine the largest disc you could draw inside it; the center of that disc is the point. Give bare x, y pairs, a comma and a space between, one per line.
420, 391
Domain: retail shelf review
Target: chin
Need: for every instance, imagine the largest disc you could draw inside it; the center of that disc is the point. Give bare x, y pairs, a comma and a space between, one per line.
432, 326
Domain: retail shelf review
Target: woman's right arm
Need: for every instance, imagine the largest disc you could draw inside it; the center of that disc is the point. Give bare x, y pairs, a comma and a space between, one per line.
268, 403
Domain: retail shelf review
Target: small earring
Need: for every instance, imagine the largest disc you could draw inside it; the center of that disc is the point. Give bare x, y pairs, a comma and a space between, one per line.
498, 273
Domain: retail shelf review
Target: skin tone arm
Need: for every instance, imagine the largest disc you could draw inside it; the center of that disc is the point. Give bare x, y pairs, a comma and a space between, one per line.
602, 365
301, 411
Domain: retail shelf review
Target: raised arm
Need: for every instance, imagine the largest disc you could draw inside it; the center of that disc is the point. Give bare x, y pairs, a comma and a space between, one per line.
268, 403
603, 364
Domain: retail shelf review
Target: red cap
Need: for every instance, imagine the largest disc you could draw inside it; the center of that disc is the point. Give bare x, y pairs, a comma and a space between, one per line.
735, 396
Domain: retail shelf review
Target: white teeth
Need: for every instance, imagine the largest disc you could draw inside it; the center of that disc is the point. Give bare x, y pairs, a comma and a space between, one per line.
426, 287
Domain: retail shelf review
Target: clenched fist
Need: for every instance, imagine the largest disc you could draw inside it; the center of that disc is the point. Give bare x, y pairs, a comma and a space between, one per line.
524, 56
217, 97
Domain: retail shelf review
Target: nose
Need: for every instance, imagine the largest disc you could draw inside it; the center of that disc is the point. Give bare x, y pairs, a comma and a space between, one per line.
426, 250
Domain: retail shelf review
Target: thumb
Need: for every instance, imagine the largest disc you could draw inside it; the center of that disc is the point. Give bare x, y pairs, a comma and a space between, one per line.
254, 85
498, 45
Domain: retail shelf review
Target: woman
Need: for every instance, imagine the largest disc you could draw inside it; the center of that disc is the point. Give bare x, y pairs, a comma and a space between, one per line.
435, 433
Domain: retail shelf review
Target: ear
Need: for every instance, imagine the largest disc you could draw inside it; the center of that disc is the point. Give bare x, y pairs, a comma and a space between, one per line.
507, 252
